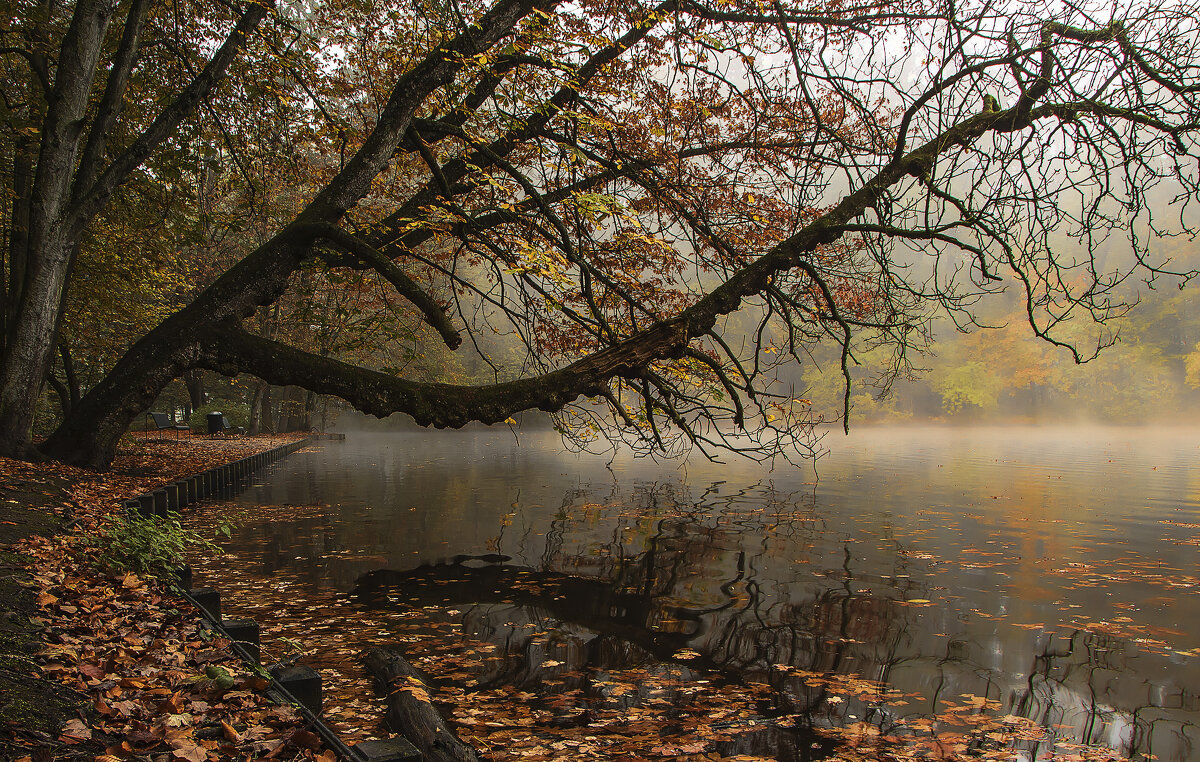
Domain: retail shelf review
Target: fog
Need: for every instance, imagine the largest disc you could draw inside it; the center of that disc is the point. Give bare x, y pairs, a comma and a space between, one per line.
1040, 567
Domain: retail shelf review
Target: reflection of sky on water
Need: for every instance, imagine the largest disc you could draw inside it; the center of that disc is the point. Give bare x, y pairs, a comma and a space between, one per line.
1053, 583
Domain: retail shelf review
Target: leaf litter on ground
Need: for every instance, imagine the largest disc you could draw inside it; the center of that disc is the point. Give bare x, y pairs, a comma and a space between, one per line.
152, 683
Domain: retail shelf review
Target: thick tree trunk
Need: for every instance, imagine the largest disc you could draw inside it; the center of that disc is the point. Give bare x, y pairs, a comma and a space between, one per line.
409, 711
292, 417
194, 381
310, 408
254, 425
89, 437
32, 336
260, 410
18, 232
30, 350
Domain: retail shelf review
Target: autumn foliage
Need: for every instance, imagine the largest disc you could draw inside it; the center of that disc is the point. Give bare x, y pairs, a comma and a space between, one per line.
145, 677
633, 215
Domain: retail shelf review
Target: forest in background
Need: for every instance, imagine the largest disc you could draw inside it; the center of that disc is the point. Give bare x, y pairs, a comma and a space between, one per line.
1150, 374
663, 233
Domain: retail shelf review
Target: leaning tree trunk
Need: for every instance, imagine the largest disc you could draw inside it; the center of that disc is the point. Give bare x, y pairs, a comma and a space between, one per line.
89, 436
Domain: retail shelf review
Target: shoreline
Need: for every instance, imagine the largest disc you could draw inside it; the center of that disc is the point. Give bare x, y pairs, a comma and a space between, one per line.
95, 664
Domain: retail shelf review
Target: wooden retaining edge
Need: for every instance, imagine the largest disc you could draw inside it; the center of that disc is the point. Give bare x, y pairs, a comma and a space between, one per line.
285, 684
225, 481
410, 711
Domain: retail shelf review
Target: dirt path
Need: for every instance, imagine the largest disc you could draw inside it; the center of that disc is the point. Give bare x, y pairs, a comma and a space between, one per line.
32, 708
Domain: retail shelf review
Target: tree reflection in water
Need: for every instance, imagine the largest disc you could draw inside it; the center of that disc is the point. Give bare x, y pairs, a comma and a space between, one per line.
689, 602
1049, 588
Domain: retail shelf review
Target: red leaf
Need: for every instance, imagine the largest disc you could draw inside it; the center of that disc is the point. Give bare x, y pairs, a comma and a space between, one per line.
92, 670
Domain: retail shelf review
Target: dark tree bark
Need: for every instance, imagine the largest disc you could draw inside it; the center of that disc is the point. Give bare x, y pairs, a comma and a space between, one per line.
71, 380
194, 381
310, 409
18, 232
292, 417
260, 410
90, 435
69, 187
64, 396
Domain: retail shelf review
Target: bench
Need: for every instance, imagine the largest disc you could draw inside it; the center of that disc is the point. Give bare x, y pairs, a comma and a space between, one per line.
165, 422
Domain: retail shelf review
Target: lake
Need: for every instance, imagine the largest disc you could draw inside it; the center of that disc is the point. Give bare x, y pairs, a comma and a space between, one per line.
940, 591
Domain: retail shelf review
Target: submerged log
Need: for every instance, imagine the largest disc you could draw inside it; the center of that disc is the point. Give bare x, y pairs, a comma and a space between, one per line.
409, 710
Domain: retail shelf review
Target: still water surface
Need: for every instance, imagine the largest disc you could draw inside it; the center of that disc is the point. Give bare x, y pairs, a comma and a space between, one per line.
1052, 570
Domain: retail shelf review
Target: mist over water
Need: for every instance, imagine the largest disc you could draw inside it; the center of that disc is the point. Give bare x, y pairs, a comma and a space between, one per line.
1051, 569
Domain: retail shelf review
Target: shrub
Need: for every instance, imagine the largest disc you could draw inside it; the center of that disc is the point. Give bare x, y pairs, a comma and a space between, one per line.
148, 546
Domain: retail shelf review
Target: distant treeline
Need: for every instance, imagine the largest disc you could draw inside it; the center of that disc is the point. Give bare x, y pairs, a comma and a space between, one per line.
1150, 372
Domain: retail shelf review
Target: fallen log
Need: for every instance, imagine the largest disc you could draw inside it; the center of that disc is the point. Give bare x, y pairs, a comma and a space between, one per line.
410, 711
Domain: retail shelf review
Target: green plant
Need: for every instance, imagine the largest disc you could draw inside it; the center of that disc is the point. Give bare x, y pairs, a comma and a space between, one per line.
130, 443
220, 676
149, 546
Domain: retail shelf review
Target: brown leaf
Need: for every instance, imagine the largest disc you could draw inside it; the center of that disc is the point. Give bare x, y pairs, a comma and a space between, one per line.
191, 753
77, 729
231, 733
94, 671
306, 739
173, 705
257, 733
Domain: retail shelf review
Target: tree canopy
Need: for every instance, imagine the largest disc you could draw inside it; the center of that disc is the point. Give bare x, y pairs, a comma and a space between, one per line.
663, 203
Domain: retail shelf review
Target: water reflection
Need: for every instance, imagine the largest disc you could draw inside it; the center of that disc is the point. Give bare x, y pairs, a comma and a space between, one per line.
1014, 569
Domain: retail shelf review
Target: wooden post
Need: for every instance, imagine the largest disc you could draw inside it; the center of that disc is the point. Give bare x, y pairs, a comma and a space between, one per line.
415, 717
